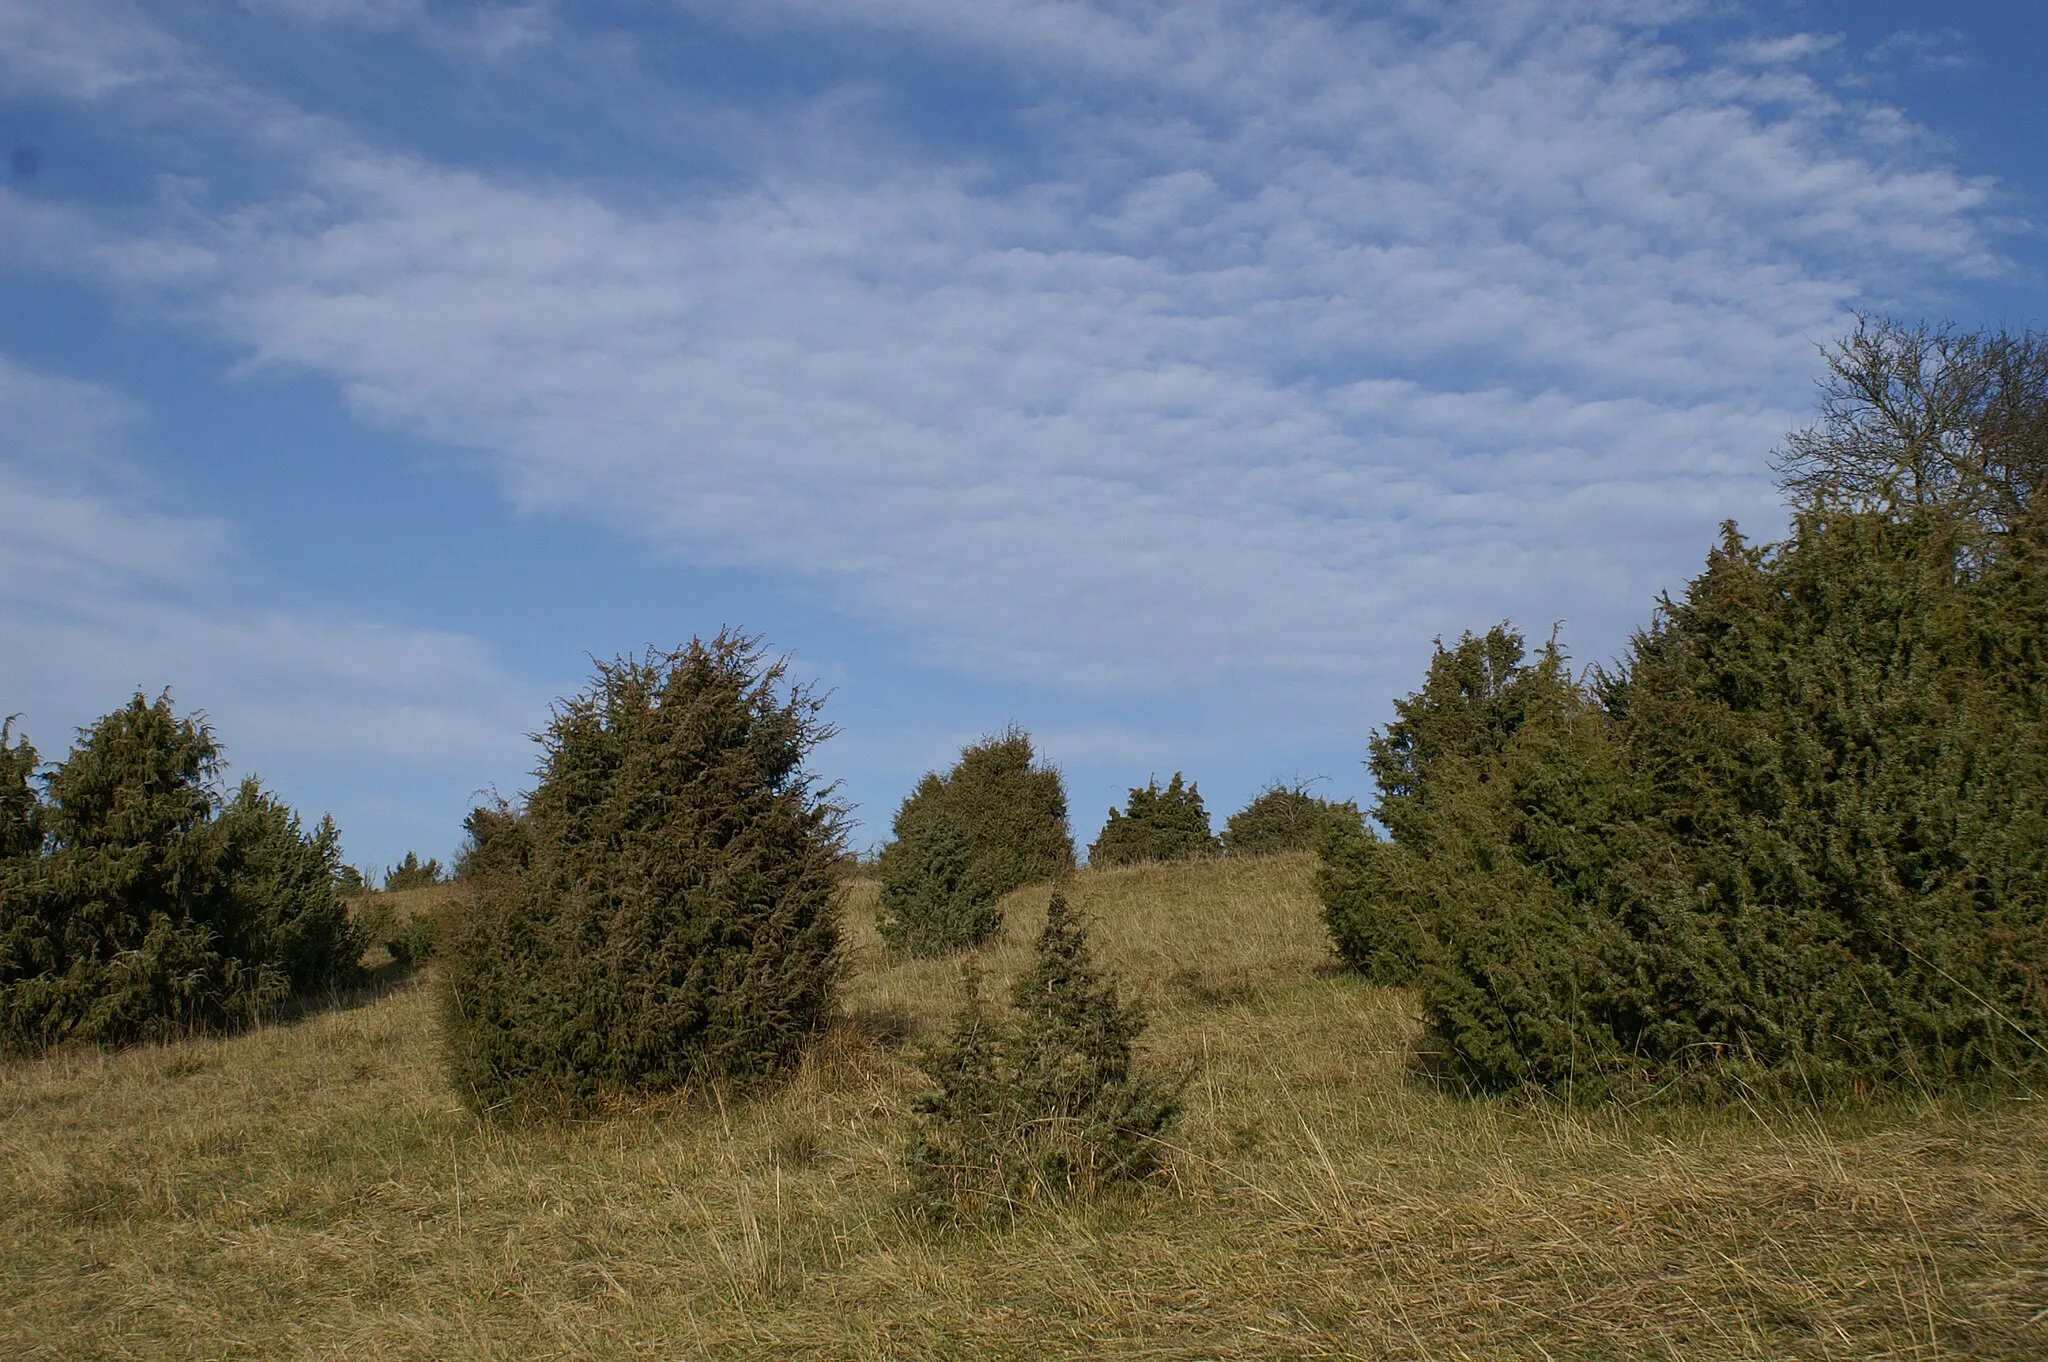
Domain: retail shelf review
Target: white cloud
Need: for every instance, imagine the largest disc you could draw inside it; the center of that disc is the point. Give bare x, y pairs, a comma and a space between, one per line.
1941, 49
368, 13
85, 50
1792, 48
1307, 341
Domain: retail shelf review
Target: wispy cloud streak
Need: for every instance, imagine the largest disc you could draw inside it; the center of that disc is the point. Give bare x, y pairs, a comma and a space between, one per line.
1299, 341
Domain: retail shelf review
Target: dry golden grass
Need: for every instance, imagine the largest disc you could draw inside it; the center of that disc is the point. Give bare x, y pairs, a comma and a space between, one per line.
431, 898
313, 1189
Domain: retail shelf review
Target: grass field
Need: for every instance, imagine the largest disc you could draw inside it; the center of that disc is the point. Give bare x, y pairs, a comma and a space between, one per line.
314, 1189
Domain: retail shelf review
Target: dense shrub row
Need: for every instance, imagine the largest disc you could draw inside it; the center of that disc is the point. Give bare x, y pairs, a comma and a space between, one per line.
139, 901
997, 820
1800, 834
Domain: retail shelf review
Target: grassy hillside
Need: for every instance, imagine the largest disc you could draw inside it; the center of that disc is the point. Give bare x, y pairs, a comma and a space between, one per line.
314, 1189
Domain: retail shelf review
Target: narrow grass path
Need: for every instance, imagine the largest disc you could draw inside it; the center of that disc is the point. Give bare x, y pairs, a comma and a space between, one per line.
315, 1190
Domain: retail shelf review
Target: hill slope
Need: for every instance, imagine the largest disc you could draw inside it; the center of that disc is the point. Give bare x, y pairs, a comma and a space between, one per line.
314, 1188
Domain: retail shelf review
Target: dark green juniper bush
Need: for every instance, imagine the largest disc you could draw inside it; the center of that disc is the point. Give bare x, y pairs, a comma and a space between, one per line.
1046, 1103
412, 873
1013, 810
961, 841
1800, 835
291, 879
668, 917
1156, 825
1288, 818
137, 904
494, 838
409, 940
21, 813
934, 897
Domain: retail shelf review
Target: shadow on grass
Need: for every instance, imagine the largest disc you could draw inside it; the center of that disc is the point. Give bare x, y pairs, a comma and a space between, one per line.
376, 983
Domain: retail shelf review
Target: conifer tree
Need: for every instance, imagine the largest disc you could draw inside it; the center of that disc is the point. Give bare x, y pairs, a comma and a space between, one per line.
149, 909
1797, 836
961, 841
1846, 743
1045, 1103
1473, 699
290, 879
494, 840
21, 813
934, 898
1012, 810
1156, 825
413, 873
1288, 818
670, 919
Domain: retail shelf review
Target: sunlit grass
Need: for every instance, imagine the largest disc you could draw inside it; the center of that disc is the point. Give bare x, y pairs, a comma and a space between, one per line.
313, 1188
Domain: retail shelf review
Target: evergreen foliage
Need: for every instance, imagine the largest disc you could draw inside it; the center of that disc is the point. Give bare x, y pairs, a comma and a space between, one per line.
412, 873
669, 919
1472, 701
1012, 810
151, 908
934, 897
1487, 900
409, 940
21, 813
996, 821
1156, 825
1288, 818
290, 880
1844, 748
495, 840
1800, 835
1046, 1103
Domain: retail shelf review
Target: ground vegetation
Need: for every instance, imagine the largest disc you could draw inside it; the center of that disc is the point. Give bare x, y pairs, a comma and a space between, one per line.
669, 920
997, 820
139, 902
1796, 836
1156, 824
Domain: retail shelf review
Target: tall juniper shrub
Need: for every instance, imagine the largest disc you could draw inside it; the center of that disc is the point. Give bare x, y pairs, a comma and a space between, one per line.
961, 841
935, 897
1156, 825
291, 879
1288, 818
137, 903
494, 839
1045, 1103
663, 913
1800, 835
21, 812
413, 873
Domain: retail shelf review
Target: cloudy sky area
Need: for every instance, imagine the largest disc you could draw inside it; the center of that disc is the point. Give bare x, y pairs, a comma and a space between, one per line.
1160, 377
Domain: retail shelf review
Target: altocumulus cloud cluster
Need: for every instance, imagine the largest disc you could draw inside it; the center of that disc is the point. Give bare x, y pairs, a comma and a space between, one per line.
1232, 350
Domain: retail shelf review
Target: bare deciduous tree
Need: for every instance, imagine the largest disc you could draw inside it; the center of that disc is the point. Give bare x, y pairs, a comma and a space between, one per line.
1926, 416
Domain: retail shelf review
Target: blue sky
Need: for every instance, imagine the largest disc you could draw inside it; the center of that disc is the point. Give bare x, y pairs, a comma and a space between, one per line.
1160, 377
